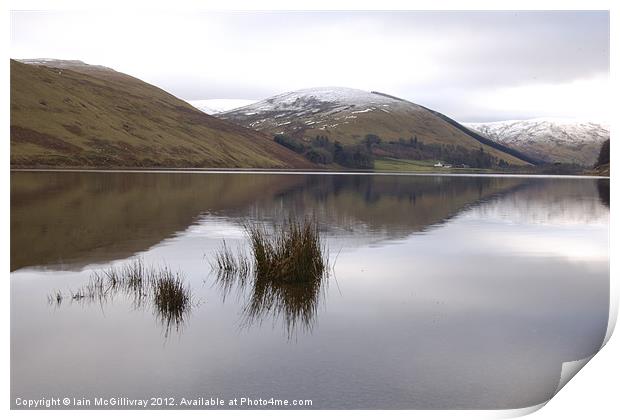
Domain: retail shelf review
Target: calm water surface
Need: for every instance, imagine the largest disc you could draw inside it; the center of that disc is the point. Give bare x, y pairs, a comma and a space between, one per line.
447, 292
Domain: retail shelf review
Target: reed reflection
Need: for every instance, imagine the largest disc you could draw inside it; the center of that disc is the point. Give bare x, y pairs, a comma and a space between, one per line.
158, 289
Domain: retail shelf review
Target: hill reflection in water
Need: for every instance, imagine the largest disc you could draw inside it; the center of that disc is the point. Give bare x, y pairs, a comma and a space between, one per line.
72, 219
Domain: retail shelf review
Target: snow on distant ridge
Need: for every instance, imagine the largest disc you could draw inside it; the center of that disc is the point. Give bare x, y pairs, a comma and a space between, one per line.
562, 129
541, 120
551, 139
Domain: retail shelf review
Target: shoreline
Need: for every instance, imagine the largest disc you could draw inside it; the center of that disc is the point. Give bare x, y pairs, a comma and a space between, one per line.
305, 172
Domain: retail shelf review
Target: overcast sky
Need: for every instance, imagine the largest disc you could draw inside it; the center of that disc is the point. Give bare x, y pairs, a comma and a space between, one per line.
473, 66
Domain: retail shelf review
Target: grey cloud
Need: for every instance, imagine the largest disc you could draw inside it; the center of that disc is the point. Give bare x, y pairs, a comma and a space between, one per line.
200, 55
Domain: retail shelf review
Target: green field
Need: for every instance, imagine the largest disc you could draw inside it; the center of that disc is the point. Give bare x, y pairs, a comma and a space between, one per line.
404, 165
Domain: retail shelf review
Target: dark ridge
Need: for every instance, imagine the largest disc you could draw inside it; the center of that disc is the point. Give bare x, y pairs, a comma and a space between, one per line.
388, 96
474, 134
603, 156
487, 141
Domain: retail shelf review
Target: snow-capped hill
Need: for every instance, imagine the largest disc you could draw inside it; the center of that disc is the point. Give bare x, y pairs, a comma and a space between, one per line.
349, 115
339, 96
514, 131
549, 139
316, 108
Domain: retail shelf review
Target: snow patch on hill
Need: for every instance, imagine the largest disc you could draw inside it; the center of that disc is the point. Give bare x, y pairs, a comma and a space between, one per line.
61, 64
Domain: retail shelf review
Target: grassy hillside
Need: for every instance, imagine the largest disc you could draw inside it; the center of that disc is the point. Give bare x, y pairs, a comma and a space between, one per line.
68, 114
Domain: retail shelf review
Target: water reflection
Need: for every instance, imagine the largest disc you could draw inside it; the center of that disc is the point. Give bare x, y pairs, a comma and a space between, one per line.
69, 220
603, 190
453, 292
550, 201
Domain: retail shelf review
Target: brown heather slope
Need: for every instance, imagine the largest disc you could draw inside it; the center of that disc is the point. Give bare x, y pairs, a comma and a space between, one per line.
70, 114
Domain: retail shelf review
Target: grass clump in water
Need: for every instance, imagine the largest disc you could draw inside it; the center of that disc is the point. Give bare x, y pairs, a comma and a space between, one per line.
55, 298
293, 254
286, 268
172, 299
226, 261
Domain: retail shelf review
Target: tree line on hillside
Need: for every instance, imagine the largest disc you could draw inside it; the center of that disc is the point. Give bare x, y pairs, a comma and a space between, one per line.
415, 149
323, 151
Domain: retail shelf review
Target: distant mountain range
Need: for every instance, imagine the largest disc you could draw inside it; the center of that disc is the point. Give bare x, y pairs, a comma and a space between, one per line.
391, 127
550, 140
71, 114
